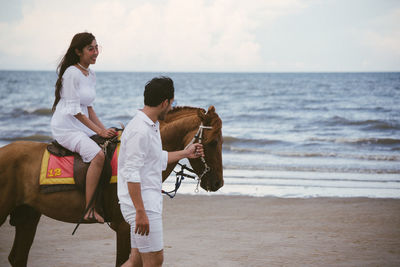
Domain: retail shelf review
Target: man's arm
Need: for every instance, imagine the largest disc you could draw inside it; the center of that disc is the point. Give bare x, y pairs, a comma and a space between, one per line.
142, 221
192, 152
134, 147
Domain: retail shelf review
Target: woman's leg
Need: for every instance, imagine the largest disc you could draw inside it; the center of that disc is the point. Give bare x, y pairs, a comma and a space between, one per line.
92, 179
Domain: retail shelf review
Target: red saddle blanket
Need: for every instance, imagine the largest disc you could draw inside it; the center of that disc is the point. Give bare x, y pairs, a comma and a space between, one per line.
60, 170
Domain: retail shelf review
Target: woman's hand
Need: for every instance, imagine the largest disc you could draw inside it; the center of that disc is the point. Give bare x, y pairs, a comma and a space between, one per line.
108, 133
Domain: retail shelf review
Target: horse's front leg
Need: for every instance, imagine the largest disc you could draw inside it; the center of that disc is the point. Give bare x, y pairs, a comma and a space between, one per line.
25, 219
122, 230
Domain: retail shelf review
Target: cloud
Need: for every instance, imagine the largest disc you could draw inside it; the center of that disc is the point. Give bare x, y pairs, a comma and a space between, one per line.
206, 35
384, 34
173, 35
382, 42
10, 10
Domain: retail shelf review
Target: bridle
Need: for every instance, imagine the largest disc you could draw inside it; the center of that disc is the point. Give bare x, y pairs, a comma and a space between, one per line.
181, 174
199, 136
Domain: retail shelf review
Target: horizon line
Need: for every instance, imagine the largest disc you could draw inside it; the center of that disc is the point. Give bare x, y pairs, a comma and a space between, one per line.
216, 72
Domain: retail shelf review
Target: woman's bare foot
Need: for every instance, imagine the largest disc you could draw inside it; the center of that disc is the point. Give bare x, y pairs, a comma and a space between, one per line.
93, 216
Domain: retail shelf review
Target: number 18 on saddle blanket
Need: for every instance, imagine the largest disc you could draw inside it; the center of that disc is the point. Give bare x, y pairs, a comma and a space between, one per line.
63, 170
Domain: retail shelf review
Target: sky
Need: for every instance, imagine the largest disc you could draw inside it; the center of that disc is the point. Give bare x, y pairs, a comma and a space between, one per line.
206, 35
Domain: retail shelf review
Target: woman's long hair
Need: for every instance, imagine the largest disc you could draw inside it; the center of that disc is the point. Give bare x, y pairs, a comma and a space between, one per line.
79, 41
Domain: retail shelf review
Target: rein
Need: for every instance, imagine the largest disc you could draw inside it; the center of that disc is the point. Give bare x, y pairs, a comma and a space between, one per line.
180, 176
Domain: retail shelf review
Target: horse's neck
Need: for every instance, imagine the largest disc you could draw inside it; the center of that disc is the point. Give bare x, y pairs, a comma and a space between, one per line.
175, 131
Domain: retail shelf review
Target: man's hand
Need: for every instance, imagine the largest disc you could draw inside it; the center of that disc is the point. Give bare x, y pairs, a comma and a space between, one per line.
142, 223
191, 152
195, 151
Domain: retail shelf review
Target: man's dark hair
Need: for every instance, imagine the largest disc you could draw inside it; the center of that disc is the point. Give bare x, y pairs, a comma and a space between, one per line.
158, 90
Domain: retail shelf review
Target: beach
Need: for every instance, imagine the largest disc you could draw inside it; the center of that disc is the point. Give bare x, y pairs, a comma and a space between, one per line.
239, 231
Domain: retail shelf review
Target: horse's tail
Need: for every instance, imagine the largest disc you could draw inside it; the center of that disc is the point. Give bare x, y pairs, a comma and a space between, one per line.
6, 183
3, 163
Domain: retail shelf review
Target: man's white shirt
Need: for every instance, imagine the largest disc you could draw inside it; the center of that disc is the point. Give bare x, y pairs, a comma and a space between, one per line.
142, 160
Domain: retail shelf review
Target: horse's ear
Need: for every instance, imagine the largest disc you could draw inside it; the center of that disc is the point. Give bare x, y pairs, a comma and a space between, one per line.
201, 114
211, 109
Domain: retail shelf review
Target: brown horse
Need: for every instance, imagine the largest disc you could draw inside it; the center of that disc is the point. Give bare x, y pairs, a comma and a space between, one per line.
20, 196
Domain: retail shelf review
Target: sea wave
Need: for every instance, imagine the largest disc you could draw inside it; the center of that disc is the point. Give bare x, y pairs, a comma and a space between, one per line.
228, 140
302, 176
245, 150
34, 137
40, 111
340, 155
254, 144
20, 112
369, 124
358, 141
313, 169
303, 154
33, 111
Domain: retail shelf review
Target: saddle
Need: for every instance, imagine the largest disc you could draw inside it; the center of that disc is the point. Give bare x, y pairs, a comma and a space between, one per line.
80, 169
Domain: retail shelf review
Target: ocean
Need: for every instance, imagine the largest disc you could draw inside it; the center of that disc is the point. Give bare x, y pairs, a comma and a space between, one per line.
292, 135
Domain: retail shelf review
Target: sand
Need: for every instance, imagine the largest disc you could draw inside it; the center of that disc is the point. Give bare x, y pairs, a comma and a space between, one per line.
239, 231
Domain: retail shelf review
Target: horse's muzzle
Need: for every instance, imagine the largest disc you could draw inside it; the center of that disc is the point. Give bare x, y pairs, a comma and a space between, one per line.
211, 182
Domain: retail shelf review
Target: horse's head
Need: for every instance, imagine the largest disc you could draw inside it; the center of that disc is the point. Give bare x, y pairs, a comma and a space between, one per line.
212, 180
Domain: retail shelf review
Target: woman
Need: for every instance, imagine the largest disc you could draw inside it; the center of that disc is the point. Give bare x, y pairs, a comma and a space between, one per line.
74, 119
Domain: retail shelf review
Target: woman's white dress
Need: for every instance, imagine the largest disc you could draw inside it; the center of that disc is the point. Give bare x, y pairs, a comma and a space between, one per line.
77, 94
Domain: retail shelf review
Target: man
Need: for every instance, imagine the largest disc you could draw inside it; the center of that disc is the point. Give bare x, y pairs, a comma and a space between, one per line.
140, 165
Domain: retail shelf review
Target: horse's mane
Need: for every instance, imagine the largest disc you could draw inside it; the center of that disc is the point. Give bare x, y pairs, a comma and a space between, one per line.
182, 112
179, 109
186, 111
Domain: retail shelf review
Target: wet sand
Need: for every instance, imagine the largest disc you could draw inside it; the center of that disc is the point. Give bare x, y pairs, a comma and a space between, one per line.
239, 231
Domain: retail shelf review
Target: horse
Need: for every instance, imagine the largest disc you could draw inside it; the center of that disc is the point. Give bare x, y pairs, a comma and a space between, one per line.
20, 195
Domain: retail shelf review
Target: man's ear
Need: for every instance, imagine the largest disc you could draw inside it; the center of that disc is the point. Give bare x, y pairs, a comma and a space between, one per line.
165, 103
